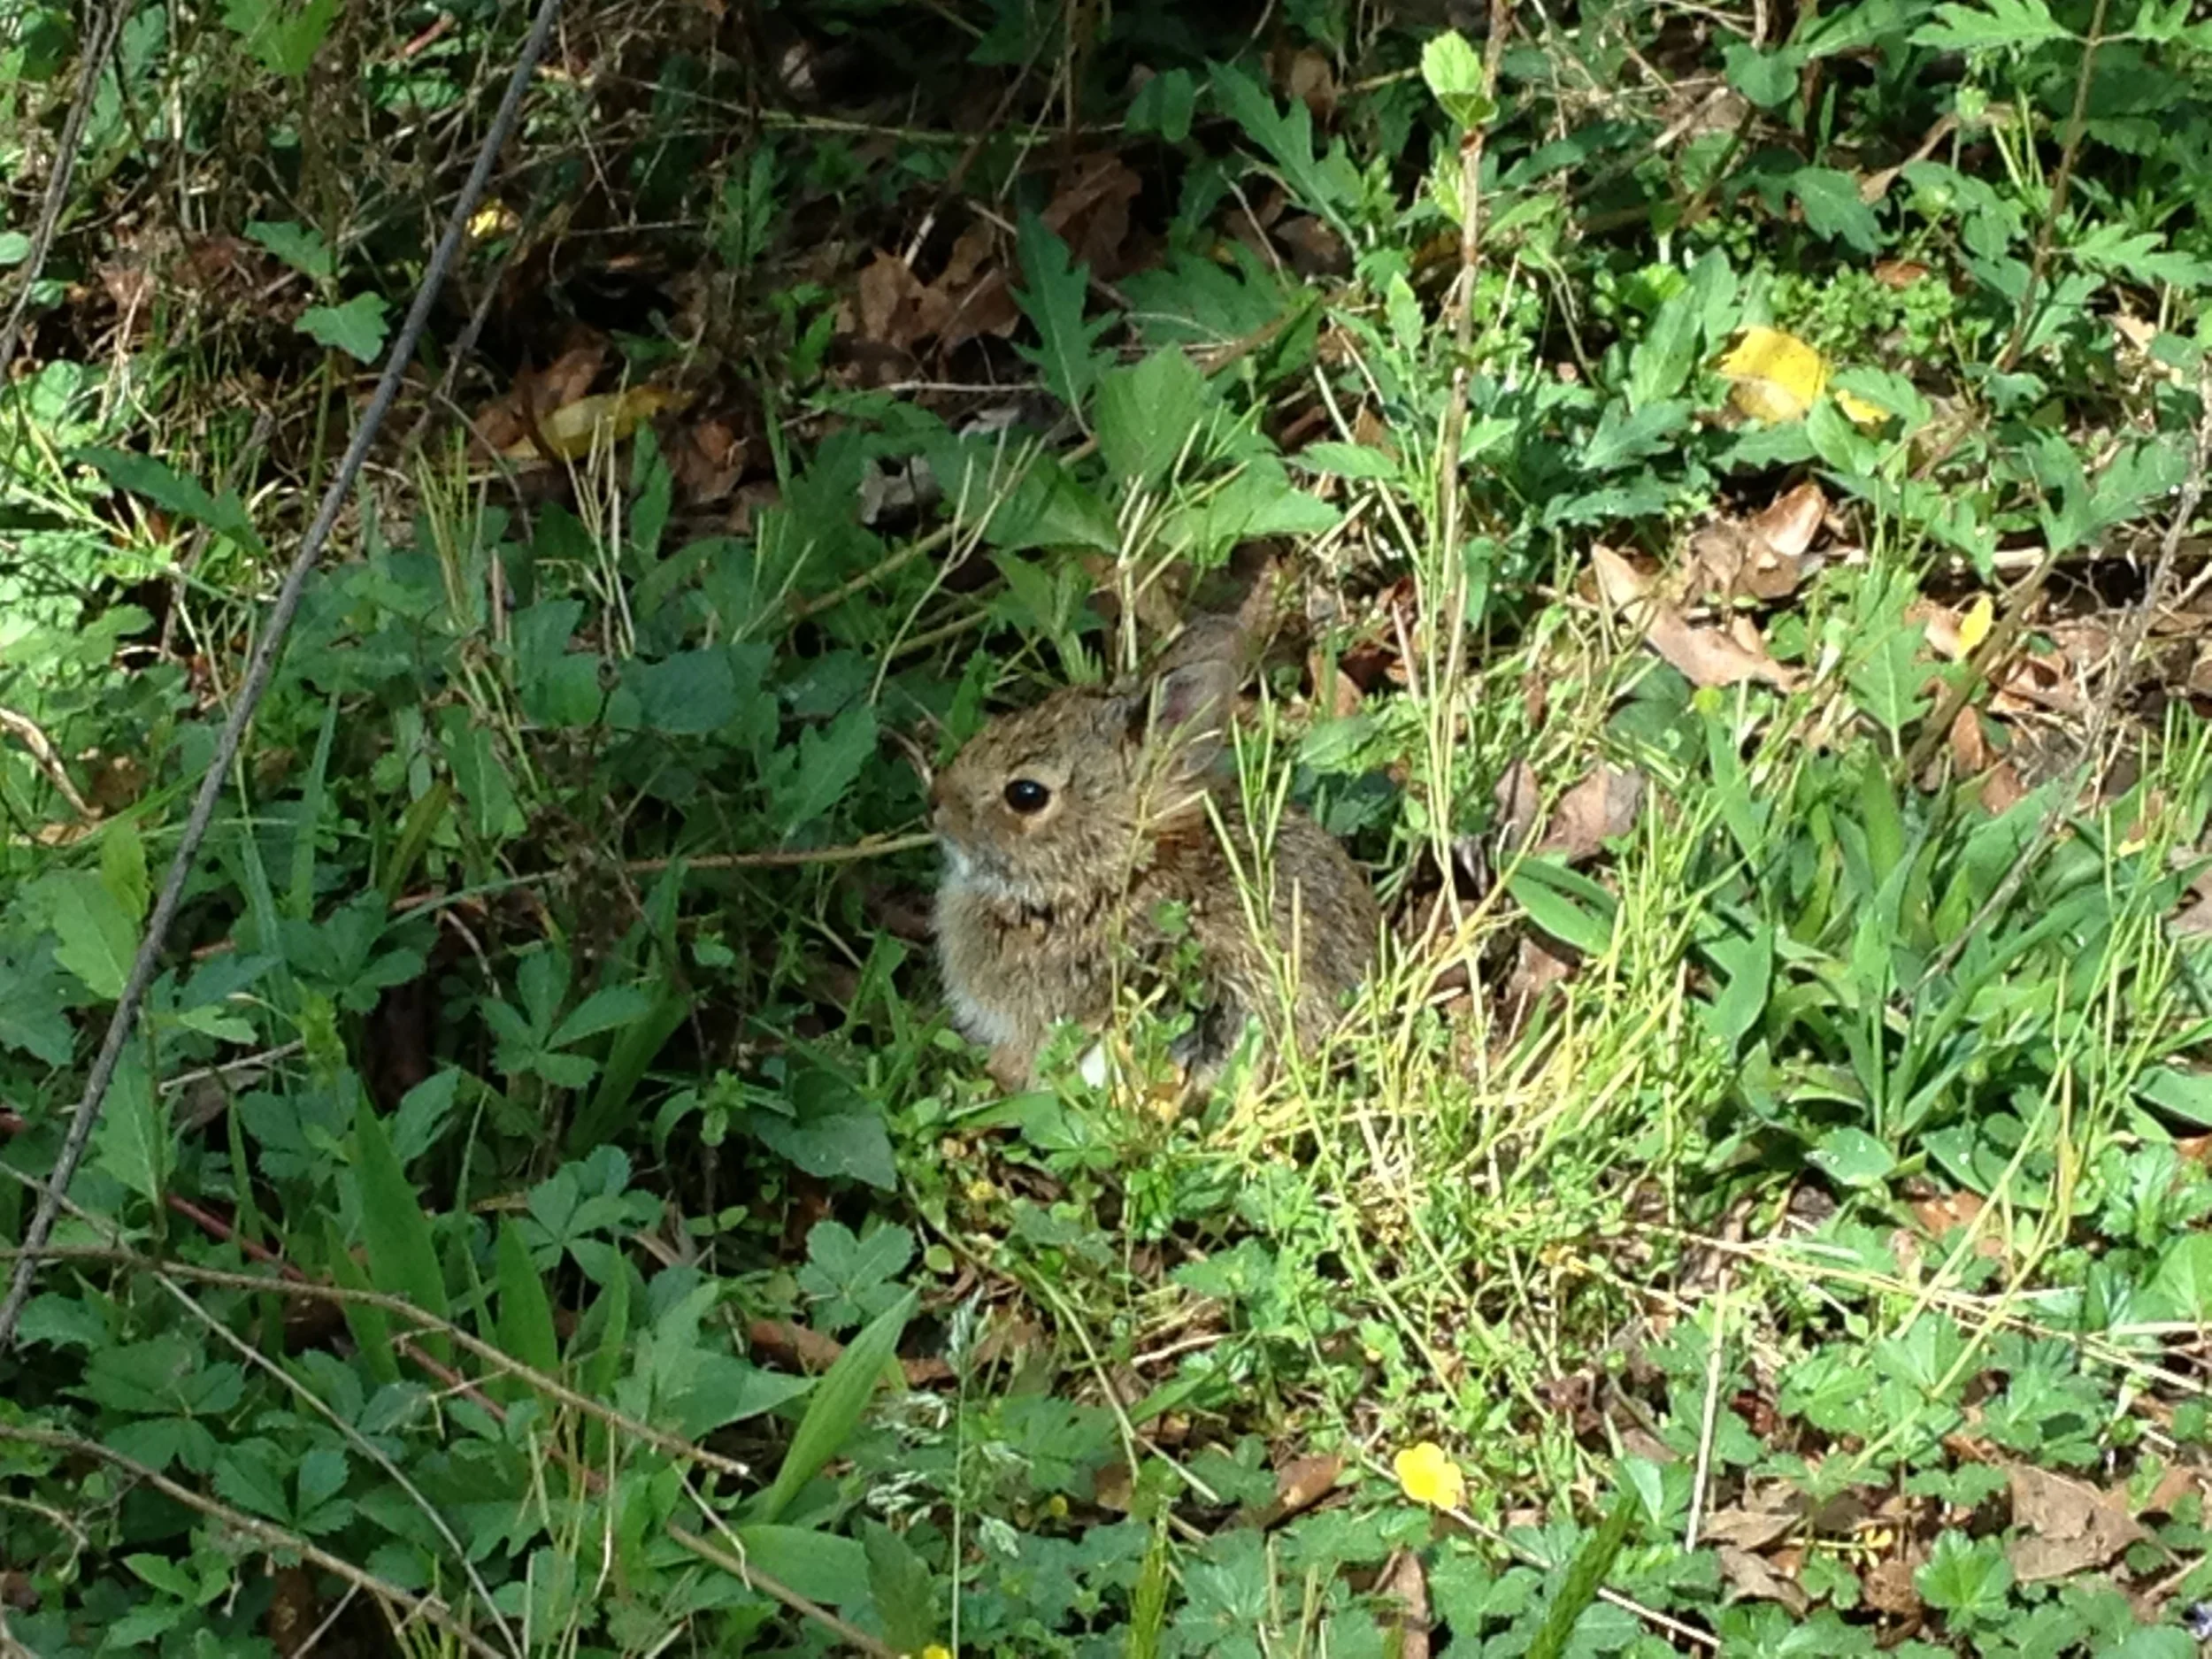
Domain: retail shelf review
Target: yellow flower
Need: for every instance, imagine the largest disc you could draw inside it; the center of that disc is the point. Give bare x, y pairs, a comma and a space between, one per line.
1777, 376
936, 1650
1430, 1477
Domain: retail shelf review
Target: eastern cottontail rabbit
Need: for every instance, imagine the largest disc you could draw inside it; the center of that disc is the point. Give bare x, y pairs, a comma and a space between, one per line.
1066, 826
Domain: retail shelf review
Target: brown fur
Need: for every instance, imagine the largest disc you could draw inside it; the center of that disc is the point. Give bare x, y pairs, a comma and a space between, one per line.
1036, 912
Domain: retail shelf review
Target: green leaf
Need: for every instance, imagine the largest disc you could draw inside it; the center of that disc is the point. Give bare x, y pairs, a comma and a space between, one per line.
610, 1007
297, 245
1147, 412
131, 1140
1992, 24
1453, 70
1886, 682
840, 1400
1571, 908
1165, 105
2188, 1094
1258, 501
2184, 1280
1833, 211
1966, 1577
32, 1016
403, 1258
898, 1580
1345, 460
849, 1145
828, 759
1328, 186
284, 41
1853, 1158
1766, 79
526, 1313
372, 1327
357, 328
166, 488
97, 939
1585, 1577
820, 1566
1052, 296
1622, 437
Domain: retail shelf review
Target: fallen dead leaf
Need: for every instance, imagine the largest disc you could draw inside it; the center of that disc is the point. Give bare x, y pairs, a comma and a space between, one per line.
707, 459
1403, 1588
1754, 1578
2003, 789
1899, 273
1887, 1587
571, 430
1601, 807
1755, 1527
504, 423
1300, 1484
2071, 1525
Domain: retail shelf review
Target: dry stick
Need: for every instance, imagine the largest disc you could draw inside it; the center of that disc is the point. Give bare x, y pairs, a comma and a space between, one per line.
263, 1532
104, 35
259, 673
2101, 713
2060, 185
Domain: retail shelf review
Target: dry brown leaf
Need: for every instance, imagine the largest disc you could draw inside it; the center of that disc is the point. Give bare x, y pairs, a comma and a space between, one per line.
2002, 790
2071, 1527
1970, 744
1300, 1484
1707, 656
573, 430
1899, 273
707, 459
1788, 524
1754, 1578
1601, 807
1403, 1588
1888, 1588
1311, 78
1519, 799
1755, 1527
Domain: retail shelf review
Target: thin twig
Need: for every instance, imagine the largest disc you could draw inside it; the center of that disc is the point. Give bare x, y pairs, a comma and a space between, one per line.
26, 731
2061, 183
106, 30
2101, 713
263, 1532
262, 667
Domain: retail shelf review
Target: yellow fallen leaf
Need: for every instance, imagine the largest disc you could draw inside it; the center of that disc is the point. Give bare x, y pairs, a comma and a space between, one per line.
1859, 411
571, 430
1430, 1477
1974, 626
1775, 376
493, 219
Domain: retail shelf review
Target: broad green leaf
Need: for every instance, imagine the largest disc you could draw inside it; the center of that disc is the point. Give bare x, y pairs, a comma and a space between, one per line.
898, 1580
1570, 907
1147, 412
372, 1327
1165, 105
2184, 1280
628, 1060
1662, 359
1453, 70
1326, 185
526, 1313
297, 245
357, 328
604, 1010
32, 1016
1345, 460
284, 40
403, 1258
841, 1399
132, 1140
1852, 1158
850, 1145
1622, 437
1992, 24
1833, 211
95, 937
820, 1566
1052, 296
822, 768
1886, 682
170, 490
2188, 1094
1258, 501
1965, 1576
1767, 79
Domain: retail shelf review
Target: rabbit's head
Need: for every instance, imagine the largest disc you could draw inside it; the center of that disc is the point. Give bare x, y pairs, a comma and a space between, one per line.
1056, 805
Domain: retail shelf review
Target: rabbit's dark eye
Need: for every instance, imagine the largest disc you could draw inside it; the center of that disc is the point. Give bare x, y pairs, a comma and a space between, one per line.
1026, 795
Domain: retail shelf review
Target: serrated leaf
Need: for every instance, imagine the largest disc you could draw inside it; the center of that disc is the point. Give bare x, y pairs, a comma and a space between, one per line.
1453, 70
1052, 296
132, 1140
357, 328
1147, 412
1834, 210
160, 483
1886, 682
828, 759
1328, 185
899, 1581
297, 245
1345, 460
1992, 24
96, 940
1622, 437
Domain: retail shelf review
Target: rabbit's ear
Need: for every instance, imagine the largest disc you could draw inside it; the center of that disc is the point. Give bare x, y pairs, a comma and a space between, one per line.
1185, 714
